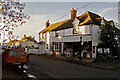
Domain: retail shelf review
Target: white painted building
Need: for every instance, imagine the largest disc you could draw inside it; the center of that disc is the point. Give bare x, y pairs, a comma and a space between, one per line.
67, 35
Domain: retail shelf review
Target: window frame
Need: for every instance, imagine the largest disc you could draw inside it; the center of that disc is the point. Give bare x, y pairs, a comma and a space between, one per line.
12, 52
22, 54
56, 46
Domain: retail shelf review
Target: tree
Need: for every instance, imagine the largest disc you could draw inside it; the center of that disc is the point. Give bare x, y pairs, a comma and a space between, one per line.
11, 16
110, 36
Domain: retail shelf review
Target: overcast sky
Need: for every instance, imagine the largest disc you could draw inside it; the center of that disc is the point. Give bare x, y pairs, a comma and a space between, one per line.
69, 0
40, 12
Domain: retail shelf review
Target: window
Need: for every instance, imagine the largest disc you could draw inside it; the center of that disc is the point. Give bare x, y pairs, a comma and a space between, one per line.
47, 46
21, 53
81, 29
56, 33
56, 46
13, 53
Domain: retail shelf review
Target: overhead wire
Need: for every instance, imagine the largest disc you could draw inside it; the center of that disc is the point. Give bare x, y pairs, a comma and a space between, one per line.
69, 14
76, 9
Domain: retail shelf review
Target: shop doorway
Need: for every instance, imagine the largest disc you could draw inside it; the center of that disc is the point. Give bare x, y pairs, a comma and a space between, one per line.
74, 47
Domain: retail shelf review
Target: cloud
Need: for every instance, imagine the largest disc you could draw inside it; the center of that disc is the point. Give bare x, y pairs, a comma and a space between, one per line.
107, 10
110, 13
42, 13
32, 27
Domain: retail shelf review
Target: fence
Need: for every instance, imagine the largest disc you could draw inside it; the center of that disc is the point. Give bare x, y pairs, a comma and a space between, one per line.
37, 51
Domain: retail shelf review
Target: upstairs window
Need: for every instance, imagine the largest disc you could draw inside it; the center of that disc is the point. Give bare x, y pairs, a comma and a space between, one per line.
82, 29
56, 33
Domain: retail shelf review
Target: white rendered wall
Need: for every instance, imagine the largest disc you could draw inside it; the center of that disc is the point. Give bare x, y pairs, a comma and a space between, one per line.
95, 35
72, 38
47, 40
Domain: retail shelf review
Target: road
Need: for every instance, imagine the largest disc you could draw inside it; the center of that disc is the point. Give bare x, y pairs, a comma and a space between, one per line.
43, 67
0, 63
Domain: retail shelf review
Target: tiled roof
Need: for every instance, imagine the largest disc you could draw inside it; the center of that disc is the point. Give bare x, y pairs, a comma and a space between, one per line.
89, 18
23, 39
29, 39
58, 26
85, 19
12, 42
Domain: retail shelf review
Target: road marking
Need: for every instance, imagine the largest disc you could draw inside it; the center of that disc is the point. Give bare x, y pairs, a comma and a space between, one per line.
26, 67
19, 66
24, 71
32, 76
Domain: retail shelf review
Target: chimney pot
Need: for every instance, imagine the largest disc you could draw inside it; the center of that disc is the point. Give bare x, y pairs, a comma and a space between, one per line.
29, 36
47, 23
24, 35
73, 13
33, 37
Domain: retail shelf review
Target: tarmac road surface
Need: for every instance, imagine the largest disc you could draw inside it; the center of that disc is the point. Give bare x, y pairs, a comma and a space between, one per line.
0, 64
61, 69
42, 67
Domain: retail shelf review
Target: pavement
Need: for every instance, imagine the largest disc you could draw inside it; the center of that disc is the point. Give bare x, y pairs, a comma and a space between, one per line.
112, 66
62, 67
74, 59
86, 60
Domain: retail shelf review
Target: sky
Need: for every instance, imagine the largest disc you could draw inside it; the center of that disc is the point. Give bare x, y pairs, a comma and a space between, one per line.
40, 12
69, 0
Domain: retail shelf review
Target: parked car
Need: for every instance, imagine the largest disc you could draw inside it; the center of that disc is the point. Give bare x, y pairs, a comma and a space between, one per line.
3, 46
14, 57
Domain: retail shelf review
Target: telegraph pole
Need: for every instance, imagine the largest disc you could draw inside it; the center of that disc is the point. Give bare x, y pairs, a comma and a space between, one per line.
80, 49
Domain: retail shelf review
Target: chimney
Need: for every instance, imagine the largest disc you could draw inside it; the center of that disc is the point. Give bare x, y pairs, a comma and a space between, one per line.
47, 23
29, 36
33, 37
24, 35
73, 14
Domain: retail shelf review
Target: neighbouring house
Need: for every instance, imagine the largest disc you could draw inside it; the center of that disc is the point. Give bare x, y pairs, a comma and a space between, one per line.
25, 41
79, 34
13, 42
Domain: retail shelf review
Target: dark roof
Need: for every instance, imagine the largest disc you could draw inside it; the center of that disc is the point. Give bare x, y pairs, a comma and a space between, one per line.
23, 39
12, 42
65, 25
85, 19
89, 18
58, 26
29, 39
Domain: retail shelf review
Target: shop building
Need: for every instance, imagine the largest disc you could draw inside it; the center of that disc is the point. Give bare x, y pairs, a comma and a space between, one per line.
79, 34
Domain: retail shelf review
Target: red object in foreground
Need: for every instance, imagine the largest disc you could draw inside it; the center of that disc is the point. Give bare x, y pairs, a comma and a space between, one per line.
54, 53
14, 57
